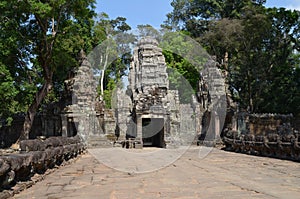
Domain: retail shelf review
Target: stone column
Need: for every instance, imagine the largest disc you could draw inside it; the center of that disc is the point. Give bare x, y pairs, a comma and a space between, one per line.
198, 118
64, 125
234, 123
217, 126
139, 127
82, 123
211, 131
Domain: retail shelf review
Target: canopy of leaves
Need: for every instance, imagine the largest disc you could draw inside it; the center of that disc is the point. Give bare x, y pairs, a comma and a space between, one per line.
39, 42
111, 58
185, 58
258, 47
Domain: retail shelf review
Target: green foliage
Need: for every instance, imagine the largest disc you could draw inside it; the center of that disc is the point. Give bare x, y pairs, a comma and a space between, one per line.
195, 15
257, 47
183, 76
108, 93
185, 59
8, 92
148, 31
263, 69
112, 56
39, 44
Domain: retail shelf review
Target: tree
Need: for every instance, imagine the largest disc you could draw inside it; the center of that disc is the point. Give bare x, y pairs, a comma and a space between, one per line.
111, 57
7, 93
195, 15
148, 31
48, 35
258, 48
283, 51
16, 77
256, 51
183, 76
262, 70
185, 59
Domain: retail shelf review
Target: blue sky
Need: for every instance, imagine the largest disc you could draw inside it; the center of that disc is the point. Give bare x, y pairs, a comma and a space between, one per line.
137, 12
154, 12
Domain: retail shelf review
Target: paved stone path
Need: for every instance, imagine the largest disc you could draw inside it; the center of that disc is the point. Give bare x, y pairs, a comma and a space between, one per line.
219, 175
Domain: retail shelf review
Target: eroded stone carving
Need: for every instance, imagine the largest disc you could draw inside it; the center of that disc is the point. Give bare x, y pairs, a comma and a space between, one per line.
148, 85
264, 134
80, 116
148, 110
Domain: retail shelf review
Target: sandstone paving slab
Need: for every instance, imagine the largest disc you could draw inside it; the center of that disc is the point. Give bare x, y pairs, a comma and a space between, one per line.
218, 175
55, 189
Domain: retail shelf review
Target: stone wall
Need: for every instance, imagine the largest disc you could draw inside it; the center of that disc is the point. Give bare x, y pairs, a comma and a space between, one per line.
213, 107
265, 134
296, 123
45, 124
175, 114
122, 113
187, 124
264, 124
109, 121
10, 134
148, 67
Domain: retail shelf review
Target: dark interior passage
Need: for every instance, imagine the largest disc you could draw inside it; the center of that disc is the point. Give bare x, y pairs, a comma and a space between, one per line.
153, 132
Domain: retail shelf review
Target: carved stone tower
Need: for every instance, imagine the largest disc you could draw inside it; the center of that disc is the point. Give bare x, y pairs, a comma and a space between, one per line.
149, 86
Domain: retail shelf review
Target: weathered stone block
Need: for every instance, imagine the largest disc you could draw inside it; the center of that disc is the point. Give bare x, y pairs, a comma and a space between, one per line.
32, 145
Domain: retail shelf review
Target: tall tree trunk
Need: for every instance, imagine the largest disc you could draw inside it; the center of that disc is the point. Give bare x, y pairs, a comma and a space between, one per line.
103, 72
102, 82
32, 110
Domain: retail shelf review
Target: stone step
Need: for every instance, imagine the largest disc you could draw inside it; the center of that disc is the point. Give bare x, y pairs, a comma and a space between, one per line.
99, 142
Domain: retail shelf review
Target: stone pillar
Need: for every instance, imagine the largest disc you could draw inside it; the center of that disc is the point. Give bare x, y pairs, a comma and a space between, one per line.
64, 125
198, 119
211, 131
234, 123
139, 127
82, 124
217, 126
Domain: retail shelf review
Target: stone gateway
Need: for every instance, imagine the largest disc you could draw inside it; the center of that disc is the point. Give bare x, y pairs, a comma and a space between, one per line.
149, 86
148, 113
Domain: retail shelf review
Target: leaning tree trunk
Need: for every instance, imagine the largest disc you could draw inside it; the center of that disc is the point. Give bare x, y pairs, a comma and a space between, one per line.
44, 49
29, 118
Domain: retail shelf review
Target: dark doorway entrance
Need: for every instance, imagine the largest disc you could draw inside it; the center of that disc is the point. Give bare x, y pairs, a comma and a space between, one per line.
153, 132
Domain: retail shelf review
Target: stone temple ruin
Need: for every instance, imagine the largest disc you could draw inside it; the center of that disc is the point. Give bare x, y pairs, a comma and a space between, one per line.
148, 88
79, 116
148, 113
